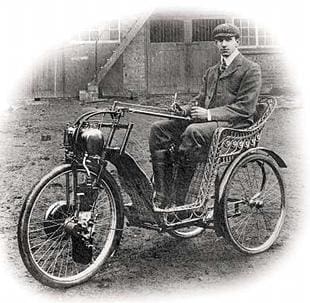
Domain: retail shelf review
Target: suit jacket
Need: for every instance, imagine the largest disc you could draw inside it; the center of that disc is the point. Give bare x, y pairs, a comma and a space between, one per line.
231, 96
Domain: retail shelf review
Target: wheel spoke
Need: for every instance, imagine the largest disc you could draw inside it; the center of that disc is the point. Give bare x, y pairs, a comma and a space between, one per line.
245, 223
50, 251
50, 238
63, 259
54, 261
252, 226
46, 221
43, 228
67, 260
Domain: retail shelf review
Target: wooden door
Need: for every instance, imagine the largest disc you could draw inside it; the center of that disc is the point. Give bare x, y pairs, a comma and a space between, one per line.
167, 68
202, 51
166, 56
179, 51
43, 81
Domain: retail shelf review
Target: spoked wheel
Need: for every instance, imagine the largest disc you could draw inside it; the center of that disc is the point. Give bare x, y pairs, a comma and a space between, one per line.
253, 204
58, 250
186, 232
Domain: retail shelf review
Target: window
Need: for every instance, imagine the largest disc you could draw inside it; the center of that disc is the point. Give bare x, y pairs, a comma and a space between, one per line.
202, 28
264, 37
166, 31
107, 32
110, 31
252, 35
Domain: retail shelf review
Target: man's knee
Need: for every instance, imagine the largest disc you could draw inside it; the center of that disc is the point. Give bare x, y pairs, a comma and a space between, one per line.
156, 130
165, 132
155, 127
200, 130
196, 139
192, 131
158, 135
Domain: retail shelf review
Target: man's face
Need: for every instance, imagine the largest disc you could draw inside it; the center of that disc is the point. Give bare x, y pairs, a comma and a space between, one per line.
227, 45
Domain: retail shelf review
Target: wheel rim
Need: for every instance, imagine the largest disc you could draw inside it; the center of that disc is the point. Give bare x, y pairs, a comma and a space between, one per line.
187, 232
51, 252
254, 205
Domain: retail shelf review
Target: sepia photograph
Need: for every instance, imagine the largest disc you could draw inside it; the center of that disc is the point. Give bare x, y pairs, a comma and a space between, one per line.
154, 152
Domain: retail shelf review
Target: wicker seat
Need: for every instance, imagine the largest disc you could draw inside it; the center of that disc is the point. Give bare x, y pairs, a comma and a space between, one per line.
227, 144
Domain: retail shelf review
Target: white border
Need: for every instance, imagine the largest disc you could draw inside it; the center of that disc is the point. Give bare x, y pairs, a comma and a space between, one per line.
30, 28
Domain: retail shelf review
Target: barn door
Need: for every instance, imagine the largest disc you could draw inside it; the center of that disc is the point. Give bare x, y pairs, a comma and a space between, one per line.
166, 57
179, 51
203, 52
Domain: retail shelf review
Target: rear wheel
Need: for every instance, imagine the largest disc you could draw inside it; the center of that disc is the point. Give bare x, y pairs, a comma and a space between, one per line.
253, 204
56, 249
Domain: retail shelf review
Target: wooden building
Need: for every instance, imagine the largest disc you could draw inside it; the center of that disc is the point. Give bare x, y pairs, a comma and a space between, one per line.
155, 53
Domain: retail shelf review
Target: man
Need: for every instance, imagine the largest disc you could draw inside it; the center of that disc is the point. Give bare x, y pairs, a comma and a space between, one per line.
227, 97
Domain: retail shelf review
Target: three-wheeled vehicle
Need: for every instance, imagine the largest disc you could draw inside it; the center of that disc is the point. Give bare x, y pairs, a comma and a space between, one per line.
71, 222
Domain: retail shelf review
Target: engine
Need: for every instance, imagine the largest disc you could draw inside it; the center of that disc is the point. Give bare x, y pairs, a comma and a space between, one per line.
91, 140
88, 140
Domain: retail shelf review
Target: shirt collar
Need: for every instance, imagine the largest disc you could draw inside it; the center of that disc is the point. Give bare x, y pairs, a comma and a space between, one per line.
230, 59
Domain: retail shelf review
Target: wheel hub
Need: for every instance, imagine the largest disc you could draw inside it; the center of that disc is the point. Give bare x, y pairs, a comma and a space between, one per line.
83, 227
256, 201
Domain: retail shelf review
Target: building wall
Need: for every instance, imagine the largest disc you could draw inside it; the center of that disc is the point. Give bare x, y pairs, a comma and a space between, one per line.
134, 65
275, 74
80, 67
46, 76
66, 71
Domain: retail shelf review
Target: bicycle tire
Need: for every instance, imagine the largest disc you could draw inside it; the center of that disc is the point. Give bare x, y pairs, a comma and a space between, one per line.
49, 186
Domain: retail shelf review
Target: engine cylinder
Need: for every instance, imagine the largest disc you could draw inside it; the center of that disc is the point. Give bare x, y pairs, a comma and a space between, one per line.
91, 140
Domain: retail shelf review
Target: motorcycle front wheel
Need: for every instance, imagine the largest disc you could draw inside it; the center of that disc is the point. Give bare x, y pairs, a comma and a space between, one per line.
52, 250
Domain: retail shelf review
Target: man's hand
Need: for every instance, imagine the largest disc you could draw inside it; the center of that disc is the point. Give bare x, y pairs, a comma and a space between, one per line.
176, 108
199, 113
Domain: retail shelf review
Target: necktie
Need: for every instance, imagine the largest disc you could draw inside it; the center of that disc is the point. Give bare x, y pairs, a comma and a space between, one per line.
223, 66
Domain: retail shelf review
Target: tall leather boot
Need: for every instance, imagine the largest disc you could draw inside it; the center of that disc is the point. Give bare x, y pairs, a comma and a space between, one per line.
184, 174
162, 169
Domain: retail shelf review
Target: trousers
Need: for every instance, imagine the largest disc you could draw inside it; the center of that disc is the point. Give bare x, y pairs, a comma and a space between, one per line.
192, 139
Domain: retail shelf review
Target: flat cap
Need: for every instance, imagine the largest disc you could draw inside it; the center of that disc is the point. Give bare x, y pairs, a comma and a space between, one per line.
226, 30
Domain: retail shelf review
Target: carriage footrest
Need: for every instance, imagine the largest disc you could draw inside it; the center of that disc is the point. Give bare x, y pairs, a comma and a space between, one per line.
135, 217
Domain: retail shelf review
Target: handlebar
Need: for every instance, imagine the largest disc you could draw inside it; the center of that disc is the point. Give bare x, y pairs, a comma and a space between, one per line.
120, 108
171, 116
147, 110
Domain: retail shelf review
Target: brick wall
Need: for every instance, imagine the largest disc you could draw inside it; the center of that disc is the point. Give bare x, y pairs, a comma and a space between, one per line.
134, 61
275, 75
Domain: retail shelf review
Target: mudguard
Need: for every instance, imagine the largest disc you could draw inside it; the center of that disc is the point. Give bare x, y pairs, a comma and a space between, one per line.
136, 184
257, 150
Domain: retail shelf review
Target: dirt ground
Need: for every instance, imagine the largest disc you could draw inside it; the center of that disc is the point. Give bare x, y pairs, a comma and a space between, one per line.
147, 262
